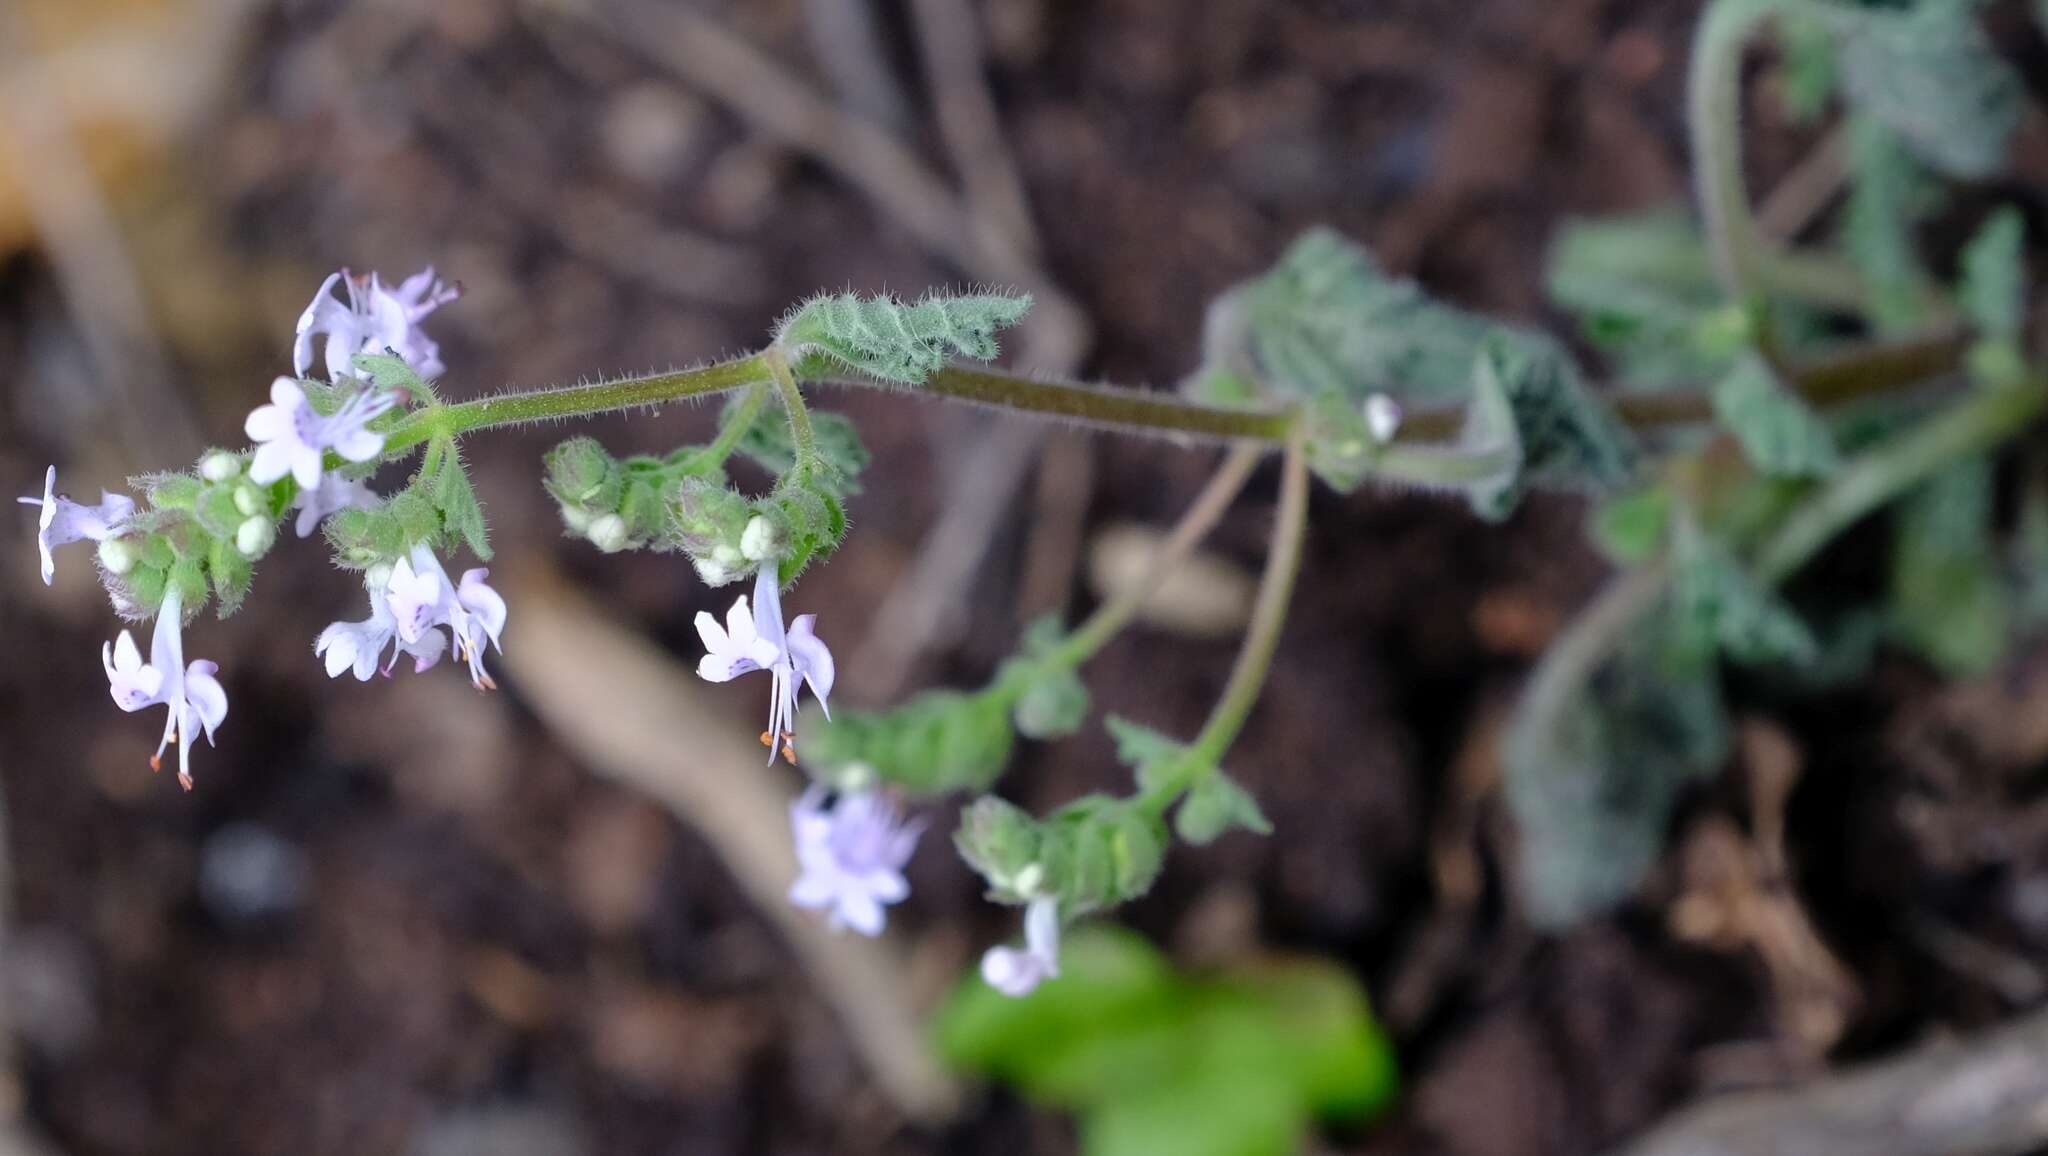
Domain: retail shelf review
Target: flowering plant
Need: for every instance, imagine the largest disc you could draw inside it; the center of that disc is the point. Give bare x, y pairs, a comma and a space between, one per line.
1722, 456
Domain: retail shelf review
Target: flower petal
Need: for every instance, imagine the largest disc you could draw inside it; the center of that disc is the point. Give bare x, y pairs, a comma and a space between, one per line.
206, 695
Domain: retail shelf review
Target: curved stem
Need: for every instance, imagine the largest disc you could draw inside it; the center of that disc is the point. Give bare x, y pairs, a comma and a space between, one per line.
803, 440
1974, 425
1269, 613
736, 427
1194, 525
1714, 112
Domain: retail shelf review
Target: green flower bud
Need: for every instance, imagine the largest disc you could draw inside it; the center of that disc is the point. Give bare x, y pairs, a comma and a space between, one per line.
1001, 842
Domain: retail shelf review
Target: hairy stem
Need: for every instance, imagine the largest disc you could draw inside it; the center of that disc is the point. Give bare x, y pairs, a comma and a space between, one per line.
802, 440
1194, 525
742, 420
1979, 423
575, 401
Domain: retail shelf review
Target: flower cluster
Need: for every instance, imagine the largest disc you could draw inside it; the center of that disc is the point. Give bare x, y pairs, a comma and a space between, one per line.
207, 529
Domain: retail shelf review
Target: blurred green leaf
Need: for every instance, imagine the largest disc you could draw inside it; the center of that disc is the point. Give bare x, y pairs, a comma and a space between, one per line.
1994, 286
1214, 805
1949, 601
1930, 74
1567, 436
1778, 433
1888, 195
1629, 529
1643, 289
1720, 604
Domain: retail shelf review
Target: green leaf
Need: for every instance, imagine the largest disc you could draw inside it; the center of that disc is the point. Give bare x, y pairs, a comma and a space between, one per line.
389, 371
1931, 75
1215, 805
1567, 436
1994, 288
1226, 1110
1053, 703
1778, 433
838, 442
446, 484
1807, 70
939, 742
897, 340
1630, 529
1949, 600
1146, 751
1888, 195
1718, 601
1620, 716
1643, 288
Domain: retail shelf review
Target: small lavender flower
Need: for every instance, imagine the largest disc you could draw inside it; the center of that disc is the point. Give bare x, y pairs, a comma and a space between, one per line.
64, 521
360, 645
421, 597
195, 697
1018, 973
293, 439
760, 641
374, 319
852, 857
333, 495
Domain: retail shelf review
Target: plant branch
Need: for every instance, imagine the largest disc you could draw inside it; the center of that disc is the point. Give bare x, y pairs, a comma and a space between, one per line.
802, 440
736, 427
1982, 421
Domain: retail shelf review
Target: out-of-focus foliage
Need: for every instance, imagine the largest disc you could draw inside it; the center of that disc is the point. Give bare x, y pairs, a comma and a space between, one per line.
1154, 1061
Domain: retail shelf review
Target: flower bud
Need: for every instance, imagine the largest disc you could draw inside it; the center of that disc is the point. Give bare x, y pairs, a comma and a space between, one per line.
759, 542
713, 573
1382, 417
255, 537
219, 466
378, 576
249, 500
576, 518
727, 556
607, 533
116, 556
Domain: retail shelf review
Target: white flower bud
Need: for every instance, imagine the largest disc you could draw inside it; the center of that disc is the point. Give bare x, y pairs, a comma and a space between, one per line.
726, 556
255, 537
219, 466
377, 577
713, 573
1382, 417
576, 518
116, 556
607, 533
856, 777
249, 500
1029, 879
758, 542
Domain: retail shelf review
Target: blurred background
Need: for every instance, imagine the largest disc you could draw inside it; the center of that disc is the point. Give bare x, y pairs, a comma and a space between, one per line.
405, 917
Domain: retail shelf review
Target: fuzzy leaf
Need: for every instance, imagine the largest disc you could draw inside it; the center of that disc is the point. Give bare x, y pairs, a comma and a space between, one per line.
1931, 75
1053, 704
1215, 805
1717, 601
1779, 434
898, 340
449, 489
939, 742
1994, 287
839, 448
1568, 438
1144, 750
1595, 758
389, 371
1888, 195
231, 574
1949, 601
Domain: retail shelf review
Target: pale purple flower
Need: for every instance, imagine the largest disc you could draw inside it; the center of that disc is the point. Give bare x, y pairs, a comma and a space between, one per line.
852, 857
375, 318
420, 598
195, 697
64, 521
759, 641
333, 495
359, 646
291, 438
1018, 973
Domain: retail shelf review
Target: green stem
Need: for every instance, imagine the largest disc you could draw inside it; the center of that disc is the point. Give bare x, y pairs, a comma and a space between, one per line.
1095, 632
575, 401
803, 441
1105, 406
736, 427
1979, 423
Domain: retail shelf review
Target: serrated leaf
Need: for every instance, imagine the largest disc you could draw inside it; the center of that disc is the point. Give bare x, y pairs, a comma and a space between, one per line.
1717, 600
898, 340
446, 484
1930, 74
838, 442
1779, 434
1994, 288
1144, 750
1949, 601
1568, 438
1888, 195
1216, 805
1327, 320
1600, 747
389, 371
